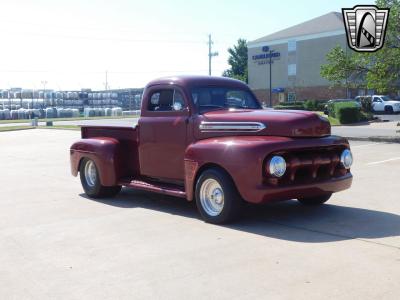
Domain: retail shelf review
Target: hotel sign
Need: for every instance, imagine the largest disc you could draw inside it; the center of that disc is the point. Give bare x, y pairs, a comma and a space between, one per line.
264, 58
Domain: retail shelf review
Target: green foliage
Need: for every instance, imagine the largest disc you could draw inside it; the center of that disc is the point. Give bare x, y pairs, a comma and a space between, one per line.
378, 70
290, 105
297, 103
366, 103
346, 112
314, 105
366, 116
238, 61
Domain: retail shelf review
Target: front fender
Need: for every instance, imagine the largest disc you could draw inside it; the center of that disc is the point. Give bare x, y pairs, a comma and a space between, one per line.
103, 151
243, 158
240, 157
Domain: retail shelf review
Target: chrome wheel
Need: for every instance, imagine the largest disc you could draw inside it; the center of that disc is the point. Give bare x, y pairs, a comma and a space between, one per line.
212, 197
90, 173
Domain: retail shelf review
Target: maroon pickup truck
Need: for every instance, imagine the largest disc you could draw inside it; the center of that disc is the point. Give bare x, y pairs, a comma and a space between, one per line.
208, 139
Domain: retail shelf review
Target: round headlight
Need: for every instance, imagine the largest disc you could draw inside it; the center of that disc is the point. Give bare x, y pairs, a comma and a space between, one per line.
346, 159
277, 166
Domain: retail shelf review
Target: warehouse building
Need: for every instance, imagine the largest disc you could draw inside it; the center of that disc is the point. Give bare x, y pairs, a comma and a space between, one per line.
296, 55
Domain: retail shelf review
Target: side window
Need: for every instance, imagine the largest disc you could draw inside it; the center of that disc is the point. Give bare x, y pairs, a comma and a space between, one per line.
179, 102
166, 100
376, 99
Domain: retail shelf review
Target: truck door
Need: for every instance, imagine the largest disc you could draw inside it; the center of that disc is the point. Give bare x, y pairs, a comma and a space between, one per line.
163, 128
377, 104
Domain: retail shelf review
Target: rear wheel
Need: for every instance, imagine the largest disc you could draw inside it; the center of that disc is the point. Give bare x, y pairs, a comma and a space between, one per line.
217, 199
90, 180
315, 200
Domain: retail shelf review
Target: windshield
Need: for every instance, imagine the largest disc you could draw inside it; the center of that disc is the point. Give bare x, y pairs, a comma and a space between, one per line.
213, 98
386, 98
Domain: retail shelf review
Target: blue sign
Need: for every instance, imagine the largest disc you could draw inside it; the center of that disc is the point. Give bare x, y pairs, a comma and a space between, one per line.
278, 90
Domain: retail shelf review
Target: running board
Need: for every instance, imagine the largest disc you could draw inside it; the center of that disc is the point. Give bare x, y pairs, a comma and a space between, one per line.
161, 188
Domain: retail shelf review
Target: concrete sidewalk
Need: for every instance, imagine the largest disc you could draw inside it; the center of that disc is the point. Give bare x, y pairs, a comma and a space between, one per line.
382, 131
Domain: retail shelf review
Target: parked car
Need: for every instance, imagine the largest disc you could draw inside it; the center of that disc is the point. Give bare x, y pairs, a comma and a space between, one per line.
381, 103
208, 140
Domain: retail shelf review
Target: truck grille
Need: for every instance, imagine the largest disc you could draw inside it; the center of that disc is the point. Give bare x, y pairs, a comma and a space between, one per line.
308, 166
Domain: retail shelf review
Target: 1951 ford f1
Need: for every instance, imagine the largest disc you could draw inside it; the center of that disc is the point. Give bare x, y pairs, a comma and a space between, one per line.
207, 139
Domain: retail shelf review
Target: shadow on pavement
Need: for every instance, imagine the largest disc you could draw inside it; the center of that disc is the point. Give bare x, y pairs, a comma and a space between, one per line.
285, 220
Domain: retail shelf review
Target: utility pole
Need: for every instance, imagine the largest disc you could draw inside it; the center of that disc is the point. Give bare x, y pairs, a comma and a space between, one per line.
106, 83
210, 53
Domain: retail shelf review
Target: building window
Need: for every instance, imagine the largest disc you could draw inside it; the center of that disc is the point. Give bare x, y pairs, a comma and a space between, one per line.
291, 97
292, 46
292, 70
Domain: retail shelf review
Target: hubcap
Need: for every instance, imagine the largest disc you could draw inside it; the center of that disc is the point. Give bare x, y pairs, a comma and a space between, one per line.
212, 197
90, 173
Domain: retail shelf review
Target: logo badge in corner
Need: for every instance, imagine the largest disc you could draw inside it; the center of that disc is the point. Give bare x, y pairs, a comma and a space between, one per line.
365, 27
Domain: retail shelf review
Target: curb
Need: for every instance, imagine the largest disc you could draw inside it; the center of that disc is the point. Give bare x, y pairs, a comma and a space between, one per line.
379, 139
17, 129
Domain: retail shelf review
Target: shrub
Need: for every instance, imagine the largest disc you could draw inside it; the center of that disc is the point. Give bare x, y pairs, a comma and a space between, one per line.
297, 103
347, 112
290, 105
366, 104
315, 105
331, 109
366, 116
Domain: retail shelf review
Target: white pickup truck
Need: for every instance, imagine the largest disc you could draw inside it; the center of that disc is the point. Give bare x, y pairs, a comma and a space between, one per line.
385, 104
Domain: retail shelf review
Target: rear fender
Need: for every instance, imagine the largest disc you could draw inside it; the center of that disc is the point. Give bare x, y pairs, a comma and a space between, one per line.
104, 152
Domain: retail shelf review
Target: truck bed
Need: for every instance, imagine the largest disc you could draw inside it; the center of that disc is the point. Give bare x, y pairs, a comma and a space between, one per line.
128, 139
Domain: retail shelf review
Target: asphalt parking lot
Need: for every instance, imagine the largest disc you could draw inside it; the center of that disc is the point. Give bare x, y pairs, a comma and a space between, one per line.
57, 244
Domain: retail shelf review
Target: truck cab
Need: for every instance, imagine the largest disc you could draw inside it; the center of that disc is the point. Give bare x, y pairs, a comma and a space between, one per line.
208, 139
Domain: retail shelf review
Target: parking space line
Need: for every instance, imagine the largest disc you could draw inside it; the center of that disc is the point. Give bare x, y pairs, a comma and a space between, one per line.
383, 161
364, 145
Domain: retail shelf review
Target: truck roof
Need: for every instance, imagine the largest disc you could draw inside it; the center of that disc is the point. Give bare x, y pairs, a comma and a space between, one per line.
198, 80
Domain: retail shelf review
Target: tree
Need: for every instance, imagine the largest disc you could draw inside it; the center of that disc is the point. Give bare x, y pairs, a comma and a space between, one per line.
238, 61
379, 70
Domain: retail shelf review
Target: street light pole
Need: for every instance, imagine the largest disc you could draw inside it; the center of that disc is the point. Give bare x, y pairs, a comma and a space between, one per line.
270, 77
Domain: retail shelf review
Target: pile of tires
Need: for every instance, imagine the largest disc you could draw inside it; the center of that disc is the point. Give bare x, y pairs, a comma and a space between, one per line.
50, 113
5, 114
131, 112
116, 111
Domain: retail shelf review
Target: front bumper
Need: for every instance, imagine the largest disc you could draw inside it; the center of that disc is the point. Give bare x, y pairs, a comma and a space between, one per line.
265, 193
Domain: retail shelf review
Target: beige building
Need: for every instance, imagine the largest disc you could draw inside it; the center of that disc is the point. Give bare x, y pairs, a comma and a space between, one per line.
297, 54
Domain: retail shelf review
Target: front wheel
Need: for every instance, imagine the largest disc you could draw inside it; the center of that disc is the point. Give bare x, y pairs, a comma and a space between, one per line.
389, 109
217, 199
315, 200
90, 180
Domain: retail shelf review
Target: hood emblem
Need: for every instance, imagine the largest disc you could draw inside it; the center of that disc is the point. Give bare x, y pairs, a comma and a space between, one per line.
231, 126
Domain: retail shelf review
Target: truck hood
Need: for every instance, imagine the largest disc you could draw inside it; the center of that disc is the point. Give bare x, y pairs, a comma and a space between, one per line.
288, 123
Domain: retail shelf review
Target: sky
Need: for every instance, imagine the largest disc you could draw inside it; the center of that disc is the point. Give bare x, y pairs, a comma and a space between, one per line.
71, 44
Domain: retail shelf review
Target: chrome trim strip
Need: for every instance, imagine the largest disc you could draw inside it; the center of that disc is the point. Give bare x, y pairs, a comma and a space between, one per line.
231, 126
